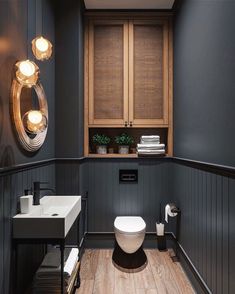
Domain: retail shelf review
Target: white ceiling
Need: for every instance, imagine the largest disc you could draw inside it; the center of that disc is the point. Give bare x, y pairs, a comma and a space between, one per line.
129, 4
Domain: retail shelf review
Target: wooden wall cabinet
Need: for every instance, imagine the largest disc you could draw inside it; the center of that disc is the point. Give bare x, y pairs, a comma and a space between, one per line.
128, 73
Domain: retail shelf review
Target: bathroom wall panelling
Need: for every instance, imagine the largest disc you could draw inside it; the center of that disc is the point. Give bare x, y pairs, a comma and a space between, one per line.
203, 193
108, 198
12, 185
207, 203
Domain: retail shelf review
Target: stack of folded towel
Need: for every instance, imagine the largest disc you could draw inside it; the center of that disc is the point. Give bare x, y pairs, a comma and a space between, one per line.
150, 145
47, 277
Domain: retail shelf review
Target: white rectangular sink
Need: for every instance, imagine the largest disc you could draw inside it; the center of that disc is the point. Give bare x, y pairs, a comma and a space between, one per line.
52, 219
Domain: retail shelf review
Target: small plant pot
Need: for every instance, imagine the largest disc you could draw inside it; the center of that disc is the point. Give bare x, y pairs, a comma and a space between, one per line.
101, 149
123, 149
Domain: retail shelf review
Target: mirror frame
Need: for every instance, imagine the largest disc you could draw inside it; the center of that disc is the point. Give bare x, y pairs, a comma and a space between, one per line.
29, 144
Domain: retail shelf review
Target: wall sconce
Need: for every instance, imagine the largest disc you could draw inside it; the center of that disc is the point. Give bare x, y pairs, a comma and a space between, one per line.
27, 73
42, 48
32, 127
34, 122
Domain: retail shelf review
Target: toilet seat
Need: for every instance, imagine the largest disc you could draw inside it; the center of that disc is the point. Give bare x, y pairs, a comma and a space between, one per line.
129, 224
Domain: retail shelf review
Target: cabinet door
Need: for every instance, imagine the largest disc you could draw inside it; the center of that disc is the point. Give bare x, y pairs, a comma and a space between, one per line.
108, 72
148, 72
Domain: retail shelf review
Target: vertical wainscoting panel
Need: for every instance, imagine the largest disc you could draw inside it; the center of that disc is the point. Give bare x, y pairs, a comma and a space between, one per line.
231, 234
1, 236
207, 223
71, 179
67, 177
12, 186
108, 198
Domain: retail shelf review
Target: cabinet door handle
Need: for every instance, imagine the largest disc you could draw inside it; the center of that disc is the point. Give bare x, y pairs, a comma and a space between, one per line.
125, 123
130, 123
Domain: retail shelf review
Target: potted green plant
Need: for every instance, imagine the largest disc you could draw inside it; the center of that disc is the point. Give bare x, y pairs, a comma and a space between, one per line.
124, 141
101, 141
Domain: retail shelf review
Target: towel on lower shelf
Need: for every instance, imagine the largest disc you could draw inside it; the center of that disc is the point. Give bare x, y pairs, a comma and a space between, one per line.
47, 277
150, 146
152, 152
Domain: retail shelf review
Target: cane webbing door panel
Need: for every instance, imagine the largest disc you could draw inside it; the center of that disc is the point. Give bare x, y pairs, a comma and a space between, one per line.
148, 72
108, 72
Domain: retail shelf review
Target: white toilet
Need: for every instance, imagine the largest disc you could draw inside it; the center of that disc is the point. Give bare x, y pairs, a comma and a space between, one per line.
129, 232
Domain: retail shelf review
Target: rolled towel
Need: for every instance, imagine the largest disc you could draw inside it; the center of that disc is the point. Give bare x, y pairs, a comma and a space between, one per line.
71, 261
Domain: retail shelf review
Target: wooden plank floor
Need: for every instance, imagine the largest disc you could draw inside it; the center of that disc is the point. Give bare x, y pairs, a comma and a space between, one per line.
161, 276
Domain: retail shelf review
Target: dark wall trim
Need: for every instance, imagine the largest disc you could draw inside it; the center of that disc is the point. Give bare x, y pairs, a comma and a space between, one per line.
223, 170
25, 166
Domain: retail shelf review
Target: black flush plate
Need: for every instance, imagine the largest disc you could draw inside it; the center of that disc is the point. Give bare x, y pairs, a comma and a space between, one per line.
128, 176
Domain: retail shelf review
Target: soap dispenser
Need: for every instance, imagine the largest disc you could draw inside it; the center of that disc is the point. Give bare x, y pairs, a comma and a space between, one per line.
26, 202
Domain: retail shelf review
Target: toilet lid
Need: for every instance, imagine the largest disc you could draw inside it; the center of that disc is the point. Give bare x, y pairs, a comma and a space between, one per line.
129, 224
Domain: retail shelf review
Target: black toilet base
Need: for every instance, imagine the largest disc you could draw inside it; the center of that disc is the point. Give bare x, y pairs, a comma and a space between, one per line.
132, 262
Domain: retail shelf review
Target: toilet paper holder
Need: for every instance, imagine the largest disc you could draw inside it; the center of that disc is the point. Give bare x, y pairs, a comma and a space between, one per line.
172, 210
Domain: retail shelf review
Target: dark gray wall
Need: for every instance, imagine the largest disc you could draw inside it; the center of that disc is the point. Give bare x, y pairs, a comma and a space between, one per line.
18, 25
69, 79
204, 104
204, 70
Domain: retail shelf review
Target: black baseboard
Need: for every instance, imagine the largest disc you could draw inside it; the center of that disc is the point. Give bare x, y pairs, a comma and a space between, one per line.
107, 240
192, 273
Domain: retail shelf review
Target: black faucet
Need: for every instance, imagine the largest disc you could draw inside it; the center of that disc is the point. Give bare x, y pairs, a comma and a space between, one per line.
36, 191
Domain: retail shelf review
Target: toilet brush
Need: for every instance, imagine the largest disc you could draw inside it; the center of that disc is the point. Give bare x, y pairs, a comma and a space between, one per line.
161, 238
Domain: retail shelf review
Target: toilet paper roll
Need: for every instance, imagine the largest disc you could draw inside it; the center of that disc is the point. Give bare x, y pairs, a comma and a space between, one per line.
168, 211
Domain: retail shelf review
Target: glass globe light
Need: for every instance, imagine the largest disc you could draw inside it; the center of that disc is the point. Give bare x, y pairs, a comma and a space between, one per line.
27, 68
42, 44
27, 72
34, 121
42, 48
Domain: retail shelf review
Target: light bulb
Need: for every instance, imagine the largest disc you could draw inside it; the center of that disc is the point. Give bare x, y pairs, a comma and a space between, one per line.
34, 121
35, 116
42, 44
27, 72
42, 48
27, 68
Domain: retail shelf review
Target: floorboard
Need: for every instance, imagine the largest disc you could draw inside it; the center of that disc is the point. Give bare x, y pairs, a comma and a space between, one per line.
161, 276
